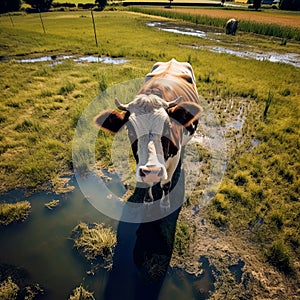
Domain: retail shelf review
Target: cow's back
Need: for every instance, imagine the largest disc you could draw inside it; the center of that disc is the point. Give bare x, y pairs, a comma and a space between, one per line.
171, 79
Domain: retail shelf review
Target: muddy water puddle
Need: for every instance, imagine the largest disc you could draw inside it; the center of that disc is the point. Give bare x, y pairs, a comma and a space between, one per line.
184, 30
40, 251
215, 34
55, 60
286, 58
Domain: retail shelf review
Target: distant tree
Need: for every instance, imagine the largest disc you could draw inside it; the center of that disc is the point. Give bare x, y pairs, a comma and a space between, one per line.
43, 5
9, 5
289, 4
256, 4
101, 4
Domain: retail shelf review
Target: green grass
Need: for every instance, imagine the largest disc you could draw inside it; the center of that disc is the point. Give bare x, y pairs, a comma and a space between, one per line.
95, 241
8, 289
245, 26
41, 103
80, 293
14, 212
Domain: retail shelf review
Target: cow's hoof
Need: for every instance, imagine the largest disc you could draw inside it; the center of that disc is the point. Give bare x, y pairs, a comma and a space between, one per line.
148, 201
148, 198
165, 204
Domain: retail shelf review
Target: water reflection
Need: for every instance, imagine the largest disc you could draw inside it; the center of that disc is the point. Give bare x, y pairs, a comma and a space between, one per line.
89, 59
41, 245
44, 58
144, 250
39, 250
286, 58
105, 60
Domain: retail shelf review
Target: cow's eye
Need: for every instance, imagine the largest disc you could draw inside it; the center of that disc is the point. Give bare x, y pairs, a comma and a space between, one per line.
189, 79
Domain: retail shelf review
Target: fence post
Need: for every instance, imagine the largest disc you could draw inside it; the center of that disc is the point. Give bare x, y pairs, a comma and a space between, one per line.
94, 26
11, 20
42, 21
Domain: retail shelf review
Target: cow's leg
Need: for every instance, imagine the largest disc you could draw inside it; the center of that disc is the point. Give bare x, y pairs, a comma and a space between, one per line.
149, 198
141, 194
165, 200
161, 191
165, 203
156, 192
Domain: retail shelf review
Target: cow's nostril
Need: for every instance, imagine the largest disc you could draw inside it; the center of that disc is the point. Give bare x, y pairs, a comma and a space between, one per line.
144, 172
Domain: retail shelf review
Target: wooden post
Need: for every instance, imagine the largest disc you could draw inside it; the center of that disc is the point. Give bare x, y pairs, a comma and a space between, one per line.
11, 20
94, 26
42, 21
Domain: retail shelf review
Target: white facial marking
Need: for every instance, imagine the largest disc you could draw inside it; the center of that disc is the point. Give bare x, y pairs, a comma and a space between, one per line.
148, 117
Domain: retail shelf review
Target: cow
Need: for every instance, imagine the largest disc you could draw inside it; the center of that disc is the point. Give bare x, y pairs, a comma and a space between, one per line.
160, 120
231, 26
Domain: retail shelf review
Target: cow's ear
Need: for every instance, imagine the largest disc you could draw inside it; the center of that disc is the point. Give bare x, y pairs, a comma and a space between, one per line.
185, 113
111, 120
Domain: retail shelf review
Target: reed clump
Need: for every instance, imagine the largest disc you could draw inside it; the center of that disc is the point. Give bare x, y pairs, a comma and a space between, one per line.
8, 289
95, 241
80, 293
52, 204
14, 212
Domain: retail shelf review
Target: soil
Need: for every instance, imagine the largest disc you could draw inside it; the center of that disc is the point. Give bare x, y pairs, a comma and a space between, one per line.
239, 268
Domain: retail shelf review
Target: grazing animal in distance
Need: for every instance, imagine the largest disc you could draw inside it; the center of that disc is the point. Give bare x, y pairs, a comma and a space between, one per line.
160, 121
231, 26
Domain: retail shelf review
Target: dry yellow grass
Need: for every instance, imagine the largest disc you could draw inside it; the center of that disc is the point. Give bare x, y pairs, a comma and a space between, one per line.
291, 20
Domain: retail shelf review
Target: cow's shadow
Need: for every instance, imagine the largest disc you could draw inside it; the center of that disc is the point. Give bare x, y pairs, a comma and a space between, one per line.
144, 250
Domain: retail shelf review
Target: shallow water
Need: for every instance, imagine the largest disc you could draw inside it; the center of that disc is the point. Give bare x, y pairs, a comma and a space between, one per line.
170, 27
44, 58
105, 60
90, 59
286, 58
41, 245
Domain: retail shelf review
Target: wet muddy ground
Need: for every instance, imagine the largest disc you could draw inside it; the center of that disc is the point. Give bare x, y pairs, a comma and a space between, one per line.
219, 43
223, 43
58, 59
232, 263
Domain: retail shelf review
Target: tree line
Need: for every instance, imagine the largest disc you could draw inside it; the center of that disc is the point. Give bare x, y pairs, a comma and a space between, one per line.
45, 5
283, 4
40, 5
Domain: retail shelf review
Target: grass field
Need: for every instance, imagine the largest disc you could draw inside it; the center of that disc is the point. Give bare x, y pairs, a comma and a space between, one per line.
41, 102
217, 18
265, 16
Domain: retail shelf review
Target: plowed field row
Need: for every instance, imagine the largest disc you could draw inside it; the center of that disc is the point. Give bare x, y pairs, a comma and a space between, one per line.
291, 20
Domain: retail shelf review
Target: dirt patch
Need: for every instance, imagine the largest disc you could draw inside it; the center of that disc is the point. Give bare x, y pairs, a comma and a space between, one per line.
255, 16
240, 270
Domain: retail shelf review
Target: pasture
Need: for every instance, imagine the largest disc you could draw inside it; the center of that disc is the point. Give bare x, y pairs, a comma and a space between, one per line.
265, 16
257, 203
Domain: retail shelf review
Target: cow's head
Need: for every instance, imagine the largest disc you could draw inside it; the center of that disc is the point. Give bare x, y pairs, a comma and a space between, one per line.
155, 128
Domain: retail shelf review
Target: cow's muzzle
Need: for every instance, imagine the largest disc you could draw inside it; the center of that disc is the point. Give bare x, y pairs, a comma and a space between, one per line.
151, 173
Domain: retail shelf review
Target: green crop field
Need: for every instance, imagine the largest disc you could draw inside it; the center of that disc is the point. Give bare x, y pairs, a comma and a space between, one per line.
41, 102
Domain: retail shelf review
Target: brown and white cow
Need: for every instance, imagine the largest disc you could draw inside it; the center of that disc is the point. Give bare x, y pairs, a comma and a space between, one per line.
160, 120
